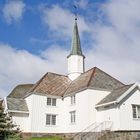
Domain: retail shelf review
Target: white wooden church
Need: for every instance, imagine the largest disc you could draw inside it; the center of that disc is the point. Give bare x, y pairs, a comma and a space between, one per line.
75, 102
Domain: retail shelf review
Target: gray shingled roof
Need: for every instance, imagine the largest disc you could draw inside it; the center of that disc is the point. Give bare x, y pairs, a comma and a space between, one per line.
115, 94
93, 78
60, 85
17, 104
52, 84
20, 91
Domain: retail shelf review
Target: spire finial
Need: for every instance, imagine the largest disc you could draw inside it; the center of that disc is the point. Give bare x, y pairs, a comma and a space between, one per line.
76, 45
75, 12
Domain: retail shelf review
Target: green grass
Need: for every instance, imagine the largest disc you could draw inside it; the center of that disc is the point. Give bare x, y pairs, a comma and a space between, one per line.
47, 138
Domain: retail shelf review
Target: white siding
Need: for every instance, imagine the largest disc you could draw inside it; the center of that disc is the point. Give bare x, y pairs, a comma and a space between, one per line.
38, 116
86, 114
22, 119
84, 107
109, 114
85, 110
75, 66
29, 101
126, 118
121, 115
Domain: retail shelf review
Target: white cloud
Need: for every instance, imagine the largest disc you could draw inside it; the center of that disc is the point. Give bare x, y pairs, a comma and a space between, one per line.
115, 50
82, 3
13, 10
20, 66
124, 14
60, 20
117, 44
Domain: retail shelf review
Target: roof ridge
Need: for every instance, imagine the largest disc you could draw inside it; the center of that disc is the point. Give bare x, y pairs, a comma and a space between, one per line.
57, 74
89, 70
92, 74
78, 78
24, 84
67, 88
53, 79
84, 73
43, 78
62, 85
20, 85
38, 82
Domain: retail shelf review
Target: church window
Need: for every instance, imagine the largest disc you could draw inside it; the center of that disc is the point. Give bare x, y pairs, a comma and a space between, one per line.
50, 119
48, 101
73, 100
51, 101
136, 111
72, 117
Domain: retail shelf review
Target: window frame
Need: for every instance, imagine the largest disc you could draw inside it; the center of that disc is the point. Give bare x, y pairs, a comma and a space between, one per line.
72, 117
73, 99
136, 111
51, 101
52, 119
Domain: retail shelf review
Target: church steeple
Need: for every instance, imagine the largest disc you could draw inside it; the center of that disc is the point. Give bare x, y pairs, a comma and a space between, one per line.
76, 45
76, 57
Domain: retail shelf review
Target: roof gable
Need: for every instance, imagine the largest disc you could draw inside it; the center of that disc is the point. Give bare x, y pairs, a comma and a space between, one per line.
117, 95
80, 83
94, 78
102, 80
52, 84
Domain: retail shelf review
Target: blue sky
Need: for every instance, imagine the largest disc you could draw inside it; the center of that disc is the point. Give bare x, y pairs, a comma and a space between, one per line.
35, 37
24, 31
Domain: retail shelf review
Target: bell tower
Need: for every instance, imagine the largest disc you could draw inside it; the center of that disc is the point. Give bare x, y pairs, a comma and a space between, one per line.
76, 57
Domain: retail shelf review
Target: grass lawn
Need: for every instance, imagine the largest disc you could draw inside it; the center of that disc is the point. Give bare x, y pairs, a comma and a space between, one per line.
48, 138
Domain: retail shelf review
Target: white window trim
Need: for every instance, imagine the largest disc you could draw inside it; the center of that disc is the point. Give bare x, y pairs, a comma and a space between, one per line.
51, 119
73, 100
51, 102
137, 114
72, 120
